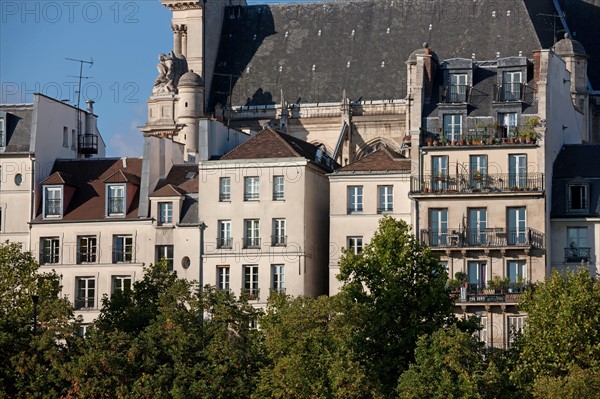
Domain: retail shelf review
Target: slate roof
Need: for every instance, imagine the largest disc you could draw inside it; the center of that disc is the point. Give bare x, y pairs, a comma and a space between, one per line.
272, 144
382, 160
576, 163
189, 210
272, 47
18, 127
182, 177
88, 177
60, 178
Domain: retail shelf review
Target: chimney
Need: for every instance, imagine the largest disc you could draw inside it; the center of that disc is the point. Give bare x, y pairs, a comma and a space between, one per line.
90, 106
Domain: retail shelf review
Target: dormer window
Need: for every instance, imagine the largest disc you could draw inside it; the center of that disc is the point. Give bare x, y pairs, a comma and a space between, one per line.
578, 197
165, 213
53, 201
115, 200
457, 90
511, 86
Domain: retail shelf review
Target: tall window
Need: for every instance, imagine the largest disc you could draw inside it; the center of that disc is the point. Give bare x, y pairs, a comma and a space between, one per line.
277, 278
252, 233
223, 278
65, 137
578, 197
482, 334
517, 226
577, 240
355, 199
50, 251
278, 188
438, 220
251, 188
86, 293
508, 121
452, 126
279, 237
516, 271
225, 189
478, 168
517, 170
457, 92
385, 199
224, 238
477, 274
165, 253
477, 219
251, 281
122, 248
116, 200
439, 169
53, 202
87, 249
355, 245
515, 327
165, 212
511, 86
121, 283
73, 139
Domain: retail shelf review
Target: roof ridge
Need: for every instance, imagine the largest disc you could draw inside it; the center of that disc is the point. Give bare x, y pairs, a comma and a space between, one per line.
280, 137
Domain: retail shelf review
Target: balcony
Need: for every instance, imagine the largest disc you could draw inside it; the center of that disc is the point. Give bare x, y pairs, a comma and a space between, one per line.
278, 240
485, 296
486, 238
88, 144
477, 183
492, 135
224, 242
510, 92
577, 254
253, 294
251, 242
455, 94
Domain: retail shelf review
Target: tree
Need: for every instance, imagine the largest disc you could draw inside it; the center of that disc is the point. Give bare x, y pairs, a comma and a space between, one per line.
399, 287
32, 365
562, 332
308, 354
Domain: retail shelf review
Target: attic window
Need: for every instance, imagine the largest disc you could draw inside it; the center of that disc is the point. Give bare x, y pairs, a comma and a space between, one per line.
578, 198
53, 203
115, 200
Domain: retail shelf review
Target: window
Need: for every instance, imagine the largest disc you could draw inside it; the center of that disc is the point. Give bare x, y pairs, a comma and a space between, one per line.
511, 86
439, 169
252, 231
251, 188
517, 226
278, 188
457, 92
225, 189
52, 201
355, 245
251, 281
516, 271
87, 249
577, 240
578, 197
438, 220
50, 251
515, 327
2, 133
82, 330
355, 199
385, 199
517, 170
165, 253
477, 275
73, 139
116, 200
452, 126
508, 123
477, 219
224, 239
279, 237
121, 283
478, 171
482, 334
165, 212
122, 248
277, 278
65, 137
85, 297
223, 278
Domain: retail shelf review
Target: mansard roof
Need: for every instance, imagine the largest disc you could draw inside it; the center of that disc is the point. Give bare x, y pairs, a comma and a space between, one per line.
382, 160
60, 178
168, 191
182, 177
18, 125
314, 51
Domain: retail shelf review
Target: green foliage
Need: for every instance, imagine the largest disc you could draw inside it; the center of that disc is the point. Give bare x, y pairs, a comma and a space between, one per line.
577, 384
562, 331
399, 287
32, 365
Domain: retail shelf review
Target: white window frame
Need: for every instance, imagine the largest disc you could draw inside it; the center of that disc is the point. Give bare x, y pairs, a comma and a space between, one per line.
90, 244
224, 234
123, 248
514, 325
477, 273
278, 278
165, 213
355, 199
279, 232
355, 244
252, 233
223, 278
224, 189
278, 188
517, 234
53, 189
520, 270
452, 126
49, 250
251, 188
87, 286
110, 212
583, 205
250, 281
121, 283
512, 78
165, 252
385, 199
438, 226
517, 170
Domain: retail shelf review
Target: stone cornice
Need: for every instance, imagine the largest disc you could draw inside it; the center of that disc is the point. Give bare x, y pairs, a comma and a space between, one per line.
180, 5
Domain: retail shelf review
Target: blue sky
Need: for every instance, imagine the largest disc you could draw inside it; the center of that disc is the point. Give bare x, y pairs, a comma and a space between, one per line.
122, 37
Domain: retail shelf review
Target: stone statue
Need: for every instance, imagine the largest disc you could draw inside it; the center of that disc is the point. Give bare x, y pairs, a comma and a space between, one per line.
170, 68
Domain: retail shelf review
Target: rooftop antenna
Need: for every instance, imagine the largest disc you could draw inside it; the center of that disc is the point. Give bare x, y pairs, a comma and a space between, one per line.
81, 62
554, 16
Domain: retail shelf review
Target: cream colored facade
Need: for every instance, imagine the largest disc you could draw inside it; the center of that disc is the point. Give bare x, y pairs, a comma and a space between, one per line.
293, 259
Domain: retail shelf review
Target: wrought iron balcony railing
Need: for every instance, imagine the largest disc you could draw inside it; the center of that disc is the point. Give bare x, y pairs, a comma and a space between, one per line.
455, 94
508, 92
88, 144
251, 242
577, 254
485, 238
253, 294
224, 242
478, 183
86, 256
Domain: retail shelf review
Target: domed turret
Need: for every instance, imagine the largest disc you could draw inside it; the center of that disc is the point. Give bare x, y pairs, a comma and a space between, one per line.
569, 47
190, 79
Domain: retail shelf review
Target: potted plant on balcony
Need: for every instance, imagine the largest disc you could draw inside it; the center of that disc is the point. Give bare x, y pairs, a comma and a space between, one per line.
443, 140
